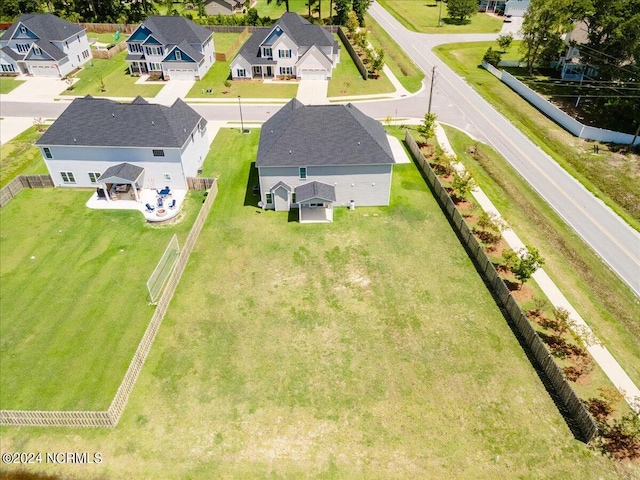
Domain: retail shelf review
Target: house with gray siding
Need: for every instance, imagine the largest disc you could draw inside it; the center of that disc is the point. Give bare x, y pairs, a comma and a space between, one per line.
318, 157
173, 47
293, 47
161, 145
43, 45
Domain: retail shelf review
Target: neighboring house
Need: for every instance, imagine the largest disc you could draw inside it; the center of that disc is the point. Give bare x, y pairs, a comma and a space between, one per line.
226, 7
164, 144
292, 47
173, 47
496, 6
316, 157
516, 8
570, 62
43, 45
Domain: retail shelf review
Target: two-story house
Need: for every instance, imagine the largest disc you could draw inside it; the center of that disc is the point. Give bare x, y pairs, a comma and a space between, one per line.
163, 145
174, 47
292, 47
516, 8
43, 45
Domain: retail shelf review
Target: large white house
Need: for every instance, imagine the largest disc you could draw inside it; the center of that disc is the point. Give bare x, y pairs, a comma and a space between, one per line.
516, 8
320, 156
161, 145
292, 47
174, 47
43, 45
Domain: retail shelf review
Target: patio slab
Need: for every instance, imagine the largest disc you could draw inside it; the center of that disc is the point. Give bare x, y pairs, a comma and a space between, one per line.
146, 196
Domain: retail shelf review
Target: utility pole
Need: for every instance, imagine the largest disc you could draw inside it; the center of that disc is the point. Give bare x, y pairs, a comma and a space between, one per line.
433, 75
440, 14
241, 122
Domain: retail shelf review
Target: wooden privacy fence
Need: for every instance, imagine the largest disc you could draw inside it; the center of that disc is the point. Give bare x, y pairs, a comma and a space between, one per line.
200, 183
353, 54
106, 54
23, 181
570, 400
111, 417
223, 57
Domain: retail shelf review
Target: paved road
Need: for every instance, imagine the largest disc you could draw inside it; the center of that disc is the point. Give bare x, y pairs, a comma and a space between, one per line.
612, 239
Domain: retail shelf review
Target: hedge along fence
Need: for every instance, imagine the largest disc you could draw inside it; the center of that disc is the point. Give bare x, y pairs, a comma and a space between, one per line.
563, 119
23, 181
111, 417
558, 382
353, 54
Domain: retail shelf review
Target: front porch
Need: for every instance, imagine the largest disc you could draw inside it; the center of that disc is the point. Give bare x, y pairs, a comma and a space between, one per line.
263, 71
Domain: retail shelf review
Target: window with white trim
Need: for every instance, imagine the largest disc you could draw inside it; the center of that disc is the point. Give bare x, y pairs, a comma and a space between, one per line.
167, 177
178, 55
37, 51
286, 70
242, 72
23, 47
23, 29
267, 52
155, 67
135, 48
269, 198
284, 53
158, 153
154, 50
94, 176
293, 197
47, 152
303, 173
67, 177
85, 54
8, 68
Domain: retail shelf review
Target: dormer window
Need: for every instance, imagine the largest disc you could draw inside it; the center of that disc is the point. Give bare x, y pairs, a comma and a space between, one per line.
178, 55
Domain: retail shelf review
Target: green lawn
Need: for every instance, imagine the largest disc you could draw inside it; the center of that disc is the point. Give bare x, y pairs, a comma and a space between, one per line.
107, 37
365, 348
224, 41
298, 6
346, 80
407, 72
21, 157
74, 297
116, 78
7, 84
422, 16
611, 177
219, 72
606, 304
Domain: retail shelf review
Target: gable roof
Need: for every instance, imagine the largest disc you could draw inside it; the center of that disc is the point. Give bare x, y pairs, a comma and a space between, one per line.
250, 51
299, 135
170, 30
122, 171
304, 33
102, 122
46, 26
319, 190
48, 49
12, 53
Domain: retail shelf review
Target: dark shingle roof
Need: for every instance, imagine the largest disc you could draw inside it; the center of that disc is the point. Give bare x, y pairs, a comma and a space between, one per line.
49, 48
304, 33
312, 190
124, 171
172, 30
92, 121
250, 51
302, 136
12, 53
45, 25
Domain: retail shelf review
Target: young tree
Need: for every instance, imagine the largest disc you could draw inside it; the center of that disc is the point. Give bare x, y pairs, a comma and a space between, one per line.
342, 11
352, 23
376, 60
524, 263
505, 41
462, 183
360, 7
461, 10
427, 128
492, 57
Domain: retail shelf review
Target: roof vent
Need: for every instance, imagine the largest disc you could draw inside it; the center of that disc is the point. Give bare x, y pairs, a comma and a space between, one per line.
74, 140
289, 152
358, 143
113, 114
152, 122
271, 131
185, 130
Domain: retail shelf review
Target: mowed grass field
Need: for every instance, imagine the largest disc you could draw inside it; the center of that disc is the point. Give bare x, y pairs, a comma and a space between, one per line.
74, 297
366, 348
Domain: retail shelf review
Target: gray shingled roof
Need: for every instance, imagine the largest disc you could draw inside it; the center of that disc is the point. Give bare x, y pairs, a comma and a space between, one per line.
92, 121
303, 33
172, 30
319, 190
49, 48
12, 53
122, 171
45, 25
299, 135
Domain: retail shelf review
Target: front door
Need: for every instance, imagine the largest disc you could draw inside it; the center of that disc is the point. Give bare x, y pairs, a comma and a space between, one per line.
269, 72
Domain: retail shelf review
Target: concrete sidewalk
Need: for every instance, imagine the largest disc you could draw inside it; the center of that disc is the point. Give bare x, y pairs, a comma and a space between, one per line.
11, 127
600, 354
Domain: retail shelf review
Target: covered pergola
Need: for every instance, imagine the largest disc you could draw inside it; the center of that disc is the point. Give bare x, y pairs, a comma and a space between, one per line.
121, 175
315, 202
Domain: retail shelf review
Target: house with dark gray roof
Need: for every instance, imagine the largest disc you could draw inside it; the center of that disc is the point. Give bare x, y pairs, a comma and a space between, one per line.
293, 47
97, 140
173, 47
43, 45
317, 157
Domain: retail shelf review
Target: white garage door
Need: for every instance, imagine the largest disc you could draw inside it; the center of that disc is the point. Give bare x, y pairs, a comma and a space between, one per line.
181, 74
309, 74
44, 71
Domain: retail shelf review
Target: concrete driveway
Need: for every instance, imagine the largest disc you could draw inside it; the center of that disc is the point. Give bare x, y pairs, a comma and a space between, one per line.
172, 90
11, 127
36, 89
313, 92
